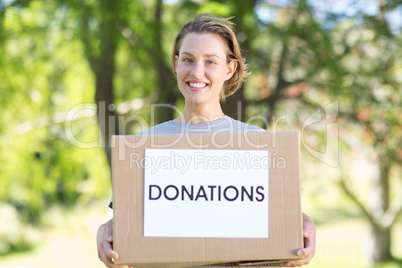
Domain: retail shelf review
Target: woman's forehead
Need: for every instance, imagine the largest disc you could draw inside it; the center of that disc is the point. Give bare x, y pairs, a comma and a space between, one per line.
207, 43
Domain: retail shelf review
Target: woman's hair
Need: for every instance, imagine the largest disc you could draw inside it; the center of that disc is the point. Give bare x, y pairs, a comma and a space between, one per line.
208, 23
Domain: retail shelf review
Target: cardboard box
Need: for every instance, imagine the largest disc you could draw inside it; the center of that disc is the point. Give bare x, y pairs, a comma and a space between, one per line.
249, 181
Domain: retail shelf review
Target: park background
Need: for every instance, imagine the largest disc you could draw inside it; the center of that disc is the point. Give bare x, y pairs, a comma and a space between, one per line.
330, 69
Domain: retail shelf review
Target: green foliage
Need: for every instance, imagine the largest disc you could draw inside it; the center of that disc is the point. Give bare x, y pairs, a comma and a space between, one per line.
223, 9
44, 76
14, 234
52, 53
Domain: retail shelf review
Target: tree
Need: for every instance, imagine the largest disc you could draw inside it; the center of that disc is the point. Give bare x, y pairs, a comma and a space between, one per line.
39, 69
100, 46
299, 61
353, 62
243, 16
370, 89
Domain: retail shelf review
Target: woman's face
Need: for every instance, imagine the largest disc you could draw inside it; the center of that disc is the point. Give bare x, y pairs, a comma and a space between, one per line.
202, 68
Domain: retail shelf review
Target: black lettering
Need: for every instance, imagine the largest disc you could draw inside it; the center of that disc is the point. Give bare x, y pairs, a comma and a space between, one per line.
204, 195
165, 192
212, 187
184, 190
219, 193
260, 193
150, 192
249, 194
226, 196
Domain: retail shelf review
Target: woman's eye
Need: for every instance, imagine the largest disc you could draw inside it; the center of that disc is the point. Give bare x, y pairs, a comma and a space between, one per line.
187, 60
210, 62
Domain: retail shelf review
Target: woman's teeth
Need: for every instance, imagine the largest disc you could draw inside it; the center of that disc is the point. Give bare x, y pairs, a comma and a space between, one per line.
197, 85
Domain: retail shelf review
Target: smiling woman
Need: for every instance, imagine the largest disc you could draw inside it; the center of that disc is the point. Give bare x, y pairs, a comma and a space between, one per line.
209, 67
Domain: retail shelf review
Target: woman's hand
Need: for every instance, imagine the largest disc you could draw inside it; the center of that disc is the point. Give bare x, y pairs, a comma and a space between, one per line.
106, 252
104, 243
309, 243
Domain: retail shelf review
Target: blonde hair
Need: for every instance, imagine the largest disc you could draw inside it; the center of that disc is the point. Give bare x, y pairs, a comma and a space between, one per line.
208, 23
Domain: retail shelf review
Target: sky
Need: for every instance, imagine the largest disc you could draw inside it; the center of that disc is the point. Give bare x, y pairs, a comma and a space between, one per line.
267, 10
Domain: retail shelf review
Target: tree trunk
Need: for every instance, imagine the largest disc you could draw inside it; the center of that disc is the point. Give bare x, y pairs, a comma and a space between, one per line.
166, 81
102, 65
380, 219
380, 248
235, 105
104, 70
108, 124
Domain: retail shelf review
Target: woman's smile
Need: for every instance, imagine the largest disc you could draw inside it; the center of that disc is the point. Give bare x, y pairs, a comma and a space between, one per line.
197, 86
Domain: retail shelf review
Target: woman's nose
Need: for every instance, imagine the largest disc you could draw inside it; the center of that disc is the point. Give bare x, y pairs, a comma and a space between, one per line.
198, 69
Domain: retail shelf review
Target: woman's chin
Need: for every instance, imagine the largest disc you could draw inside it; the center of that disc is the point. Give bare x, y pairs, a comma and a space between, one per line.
195, 101
201, 97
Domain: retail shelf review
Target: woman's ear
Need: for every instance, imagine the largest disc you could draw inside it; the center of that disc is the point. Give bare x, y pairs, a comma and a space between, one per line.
231, 69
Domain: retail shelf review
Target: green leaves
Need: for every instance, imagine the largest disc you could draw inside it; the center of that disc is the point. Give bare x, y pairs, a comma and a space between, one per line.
55, 54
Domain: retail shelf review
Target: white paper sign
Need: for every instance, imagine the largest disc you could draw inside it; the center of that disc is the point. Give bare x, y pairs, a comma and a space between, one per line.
206, 193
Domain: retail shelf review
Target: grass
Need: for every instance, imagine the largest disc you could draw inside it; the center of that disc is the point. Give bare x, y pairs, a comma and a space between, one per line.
69, 240
344, 243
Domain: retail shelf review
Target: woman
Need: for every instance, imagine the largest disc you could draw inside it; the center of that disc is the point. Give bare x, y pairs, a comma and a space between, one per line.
209, 67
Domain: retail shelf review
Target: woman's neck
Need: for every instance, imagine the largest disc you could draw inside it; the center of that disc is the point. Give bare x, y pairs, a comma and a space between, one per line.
195, 114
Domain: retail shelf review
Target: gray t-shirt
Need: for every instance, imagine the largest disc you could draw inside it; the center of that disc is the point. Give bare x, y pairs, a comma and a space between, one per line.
224, 124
